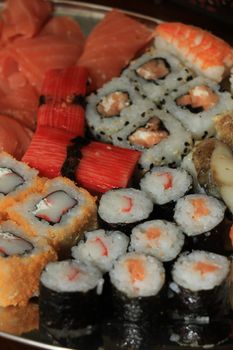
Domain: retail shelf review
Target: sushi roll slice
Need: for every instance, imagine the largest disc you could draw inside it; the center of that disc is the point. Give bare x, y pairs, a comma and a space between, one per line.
165, 185
124, 208
196, 104
60, 213
159, 238
137, 281
116, 105
22, 258
157, 72
198, 213
17, 180
200, 286
70, 295
101, 248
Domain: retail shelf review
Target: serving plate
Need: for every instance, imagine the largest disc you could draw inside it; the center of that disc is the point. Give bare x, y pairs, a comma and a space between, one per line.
88, 15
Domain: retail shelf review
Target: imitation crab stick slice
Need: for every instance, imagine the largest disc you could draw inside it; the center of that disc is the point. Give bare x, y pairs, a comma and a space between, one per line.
200, 208
205, 53
136, 269
103, 167
204, 267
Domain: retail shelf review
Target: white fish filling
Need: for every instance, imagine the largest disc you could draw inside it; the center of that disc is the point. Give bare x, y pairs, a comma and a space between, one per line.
54, 206
200, 270
138, 275
162, 239
72, 276
101, 248
124, 206
9, 180
164, 184
11, 244
198, 213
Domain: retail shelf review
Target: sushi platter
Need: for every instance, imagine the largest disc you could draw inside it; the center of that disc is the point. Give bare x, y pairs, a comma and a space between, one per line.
116, 213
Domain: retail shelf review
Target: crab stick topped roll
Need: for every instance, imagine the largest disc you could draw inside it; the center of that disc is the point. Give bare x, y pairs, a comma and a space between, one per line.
22, 258
16, 180
197, 103
116, 105
200, 284
101, 248
164, 184
157, 72
124, 206
70, 293
158, 238
198, 213
137, 280
60, 213
202, 51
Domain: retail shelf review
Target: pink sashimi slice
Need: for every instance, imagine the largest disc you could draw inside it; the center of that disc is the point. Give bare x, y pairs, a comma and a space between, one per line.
24, 17
14, 138
111, 45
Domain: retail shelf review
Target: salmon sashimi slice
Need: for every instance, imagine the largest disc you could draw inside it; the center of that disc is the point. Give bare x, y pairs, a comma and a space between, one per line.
24, 17
202, 51
111, 45
38, 55
14, 138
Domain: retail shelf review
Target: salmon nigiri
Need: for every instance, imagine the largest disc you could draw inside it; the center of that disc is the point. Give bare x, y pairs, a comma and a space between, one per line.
202, 51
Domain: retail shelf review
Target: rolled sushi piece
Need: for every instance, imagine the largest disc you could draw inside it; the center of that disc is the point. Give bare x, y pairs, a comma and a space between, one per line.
196, 104
17, 320
101, 248
156, 73
70, 295
60, 213
22, 259
17, 180
124, 208
137, 281
114, 106
165, 185
200, 286
159, 238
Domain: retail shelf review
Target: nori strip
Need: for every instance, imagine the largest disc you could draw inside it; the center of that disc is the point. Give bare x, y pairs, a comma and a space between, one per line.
69, 310
212, 303
73, 157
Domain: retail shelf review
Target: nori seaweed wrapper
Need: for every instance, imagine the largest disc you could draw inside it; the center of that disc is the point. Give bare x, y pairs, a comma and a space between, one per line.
69, 310
212, 303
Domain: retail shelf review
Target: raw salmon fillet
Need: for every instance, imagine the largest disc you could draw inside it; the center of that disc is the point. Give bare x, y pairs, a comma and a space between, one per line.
24, 17
202, 51
111, 45
14, 138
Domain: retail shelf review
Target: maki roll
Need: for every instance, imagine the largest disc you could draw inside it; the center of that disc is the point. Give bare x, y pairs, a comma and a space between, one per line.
17, 180
157, 72
200, 286
161, 239
70, 293
165, 186
137, 281
201, 218
22, 258
101, 248
116, 105
60, 213
196, 104
124, 208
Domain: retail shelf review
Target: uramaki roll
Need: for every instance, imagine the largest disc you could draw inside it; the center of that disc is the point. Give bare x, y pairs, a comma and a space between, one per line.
22, 259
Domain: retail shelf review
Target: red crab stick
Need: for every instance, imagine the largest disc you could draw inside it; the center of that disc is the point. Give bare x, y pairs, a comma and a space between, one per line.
69, 118
64, 85
47, 151
103, 167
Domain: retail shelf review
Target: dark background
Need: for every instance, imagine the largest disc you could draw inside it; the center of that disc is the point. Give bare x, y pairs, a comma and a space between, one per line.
168, 11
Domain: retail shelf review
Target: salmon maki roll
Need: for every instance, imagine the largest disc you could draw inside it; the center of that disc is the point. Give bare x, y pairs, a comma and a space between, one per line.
60, 213
205, 53
22, 259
